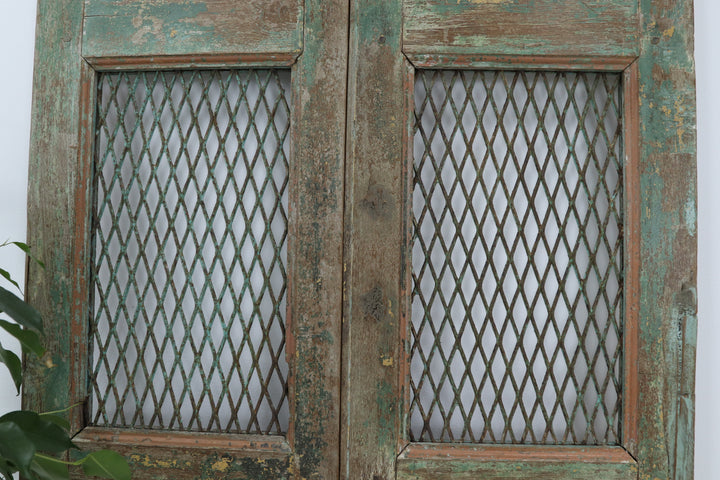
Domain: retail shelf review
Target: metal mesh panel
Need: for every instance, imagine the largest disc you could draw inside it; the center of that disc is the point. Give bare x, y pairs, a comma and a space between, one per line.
517, 258
189, 235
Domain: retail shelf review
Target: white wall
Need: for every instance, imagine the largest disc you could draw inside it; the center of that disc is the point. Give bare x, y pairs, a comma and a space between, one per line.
17, 33
17, 20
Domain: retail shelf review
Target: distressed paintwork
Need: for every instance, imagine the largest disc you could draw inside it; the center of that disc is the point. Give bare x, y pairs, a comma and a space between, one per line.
468, 462
55, 230
668, 243
376, 292
373, 228
142, 28
60, 202
519, 62
315, 239
521, 27
178, 455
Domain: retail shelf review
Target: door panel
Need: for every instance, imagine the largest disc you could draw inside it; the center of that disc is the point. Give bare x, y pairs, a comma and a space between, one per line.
525, 37
179, 182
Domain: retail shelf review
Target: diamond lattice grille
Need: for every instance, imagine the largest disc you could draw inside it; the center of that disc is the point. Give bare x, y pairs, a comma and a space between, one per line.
190, 234
517, 258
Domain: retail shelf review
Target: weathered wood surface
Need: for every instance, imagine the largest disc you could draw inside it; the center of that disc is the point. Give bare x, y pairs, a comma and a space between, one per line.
315, 246
668, 245
179, 456
521, 27
56, 217
631, 251
519, 62
377, 87
152, 28
467, 462
59, 209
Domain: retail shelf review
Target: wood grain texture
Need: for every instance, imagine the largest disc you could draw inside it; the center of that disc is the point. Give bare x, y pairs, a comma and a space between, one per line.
170, 62
59, 199
377, 86
186, 455
631, 248
56, 190
315, 245
668, 242
519, 62
467, 462
152, 28
521, 27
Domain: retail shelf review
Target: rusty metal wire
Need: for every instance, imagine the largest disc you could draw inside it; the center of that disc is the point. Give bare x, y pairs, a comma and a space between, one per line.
517, 307
189, 237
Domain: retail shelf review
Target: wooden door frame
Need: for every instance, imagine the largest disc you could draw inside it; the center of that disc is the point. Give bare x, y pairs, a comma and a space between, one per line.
75, 40
654, 53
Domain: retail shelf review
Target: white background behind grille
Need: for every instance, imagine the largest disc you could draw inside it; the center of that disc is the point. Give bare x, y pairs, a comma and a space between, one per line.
181, 251
464, 166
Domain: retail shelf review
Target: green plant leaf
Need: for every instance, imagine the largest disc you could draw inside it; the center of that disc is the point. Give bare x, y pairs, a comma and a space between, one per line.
28, 339
15, 447
7, 276
26, 248
57, 420
44, 434
106, 464
49, 469
20, 311
13, 364
6, 470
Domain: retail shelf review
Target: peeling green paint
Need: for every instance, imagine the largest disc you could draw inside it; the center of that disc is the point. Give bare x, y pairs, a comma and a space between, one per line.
467, 470
668, 239
145, 28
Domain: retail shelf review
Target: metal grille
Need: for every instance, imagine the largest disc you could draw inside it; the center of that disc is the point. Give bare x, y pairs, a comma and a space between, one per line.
189, 235
517, 258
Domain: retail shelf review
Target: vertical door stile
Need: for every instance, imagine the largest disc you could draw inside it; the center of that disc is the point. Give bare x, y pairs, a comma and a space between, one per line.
373, 238
316, 249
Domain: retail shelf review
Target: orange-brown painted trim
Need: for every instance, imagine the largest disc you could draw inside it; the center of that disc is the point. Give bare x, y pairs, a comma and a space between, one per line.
265, 445
631, 99
406, 286
516, 453
191, 61
528, 62
79, 308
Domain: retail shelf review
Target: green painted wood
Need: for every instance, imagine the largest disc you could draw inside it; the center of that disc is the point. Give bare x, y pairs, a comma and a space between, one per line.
521, 27
59, 203
317, 169
56, 225
377, 129
118, 28
520, 470
668, 247
426, 461
162, 455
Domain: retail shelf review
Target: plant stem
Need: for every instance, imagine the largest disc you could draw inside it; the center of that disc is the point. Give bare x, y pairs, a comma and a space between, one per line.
53, 412
57, 460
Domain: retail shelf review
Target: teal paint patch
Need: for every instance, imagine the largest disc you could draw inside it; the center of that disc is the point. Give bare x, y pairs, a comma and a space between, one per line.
311, 418
379, 23
668, 225
690, 212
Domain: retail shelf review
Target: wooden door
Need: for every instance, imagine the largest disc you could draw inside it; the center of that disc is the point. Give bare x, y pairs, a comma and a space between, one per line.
459, 235
520, 240
187, 165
